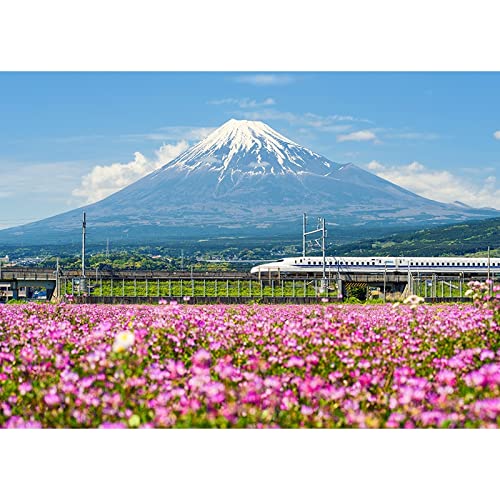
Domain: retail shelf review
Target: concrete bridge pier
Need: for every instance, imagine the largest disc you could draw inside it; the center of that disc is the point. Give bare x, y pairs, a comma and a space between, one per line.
340, 288
15, 285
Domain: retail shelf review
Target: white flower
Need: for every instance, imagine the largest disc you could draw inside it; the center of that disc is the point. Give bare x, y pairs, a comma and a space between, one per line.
123, 341
413, 301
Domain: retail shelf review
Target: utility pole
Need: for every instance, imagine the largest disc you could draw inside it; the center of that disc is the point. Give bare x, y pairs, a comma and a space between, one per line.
490, 285
385, 277
84, 234
107, 248
321, 229
304, 232
323, 248
488, 262
57, 279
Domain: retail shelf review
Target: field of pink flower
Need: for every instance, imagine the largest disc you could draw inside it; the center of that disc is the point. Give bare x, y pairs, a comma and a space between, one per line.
249, 366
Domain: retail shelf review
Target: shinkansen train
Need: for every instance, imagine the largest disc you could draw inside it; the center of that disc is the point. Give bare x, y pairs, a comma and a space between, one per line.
366, 265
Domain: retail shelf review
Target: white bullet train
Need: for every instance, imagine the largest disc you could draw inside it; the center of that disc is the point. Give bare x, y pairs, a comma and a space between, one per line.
438, 265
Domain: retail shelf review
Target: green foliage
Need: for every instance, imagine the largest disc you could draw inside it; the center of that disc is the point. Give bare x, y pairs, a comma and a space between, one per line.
353, 300
357, 292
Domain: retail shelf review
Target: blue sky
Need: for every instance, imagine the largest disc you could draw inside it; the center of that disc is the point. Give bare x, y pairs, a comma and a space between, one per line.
70, 138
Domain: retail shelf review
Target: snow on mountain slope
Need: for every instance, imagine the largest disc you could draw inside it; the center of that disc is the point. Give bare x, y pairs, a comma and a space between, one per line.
242, 151
228, 149
248, 158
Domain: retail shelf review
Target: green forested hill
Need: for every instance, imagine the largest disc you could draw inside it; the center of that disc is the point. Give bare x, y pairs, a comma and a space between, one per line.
472, 237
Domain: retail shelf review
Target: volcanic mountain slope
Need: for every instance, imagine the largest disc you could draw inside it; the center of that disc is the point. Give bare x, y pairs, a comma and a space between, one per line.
246, 175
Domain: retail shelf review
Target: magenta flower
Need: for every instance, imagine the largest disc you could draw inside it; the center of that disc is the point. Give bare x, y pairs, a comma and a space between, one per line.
52, 399
201, 359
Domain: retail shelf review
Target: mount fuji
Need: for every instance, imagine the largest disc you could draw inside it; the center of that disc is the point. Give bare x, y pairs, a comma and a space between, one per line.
243, 178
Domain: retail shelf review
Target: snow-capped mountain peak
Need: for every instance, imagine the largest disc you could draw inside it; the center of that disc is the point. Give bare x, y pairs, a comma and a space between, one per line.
250, 148
244, 134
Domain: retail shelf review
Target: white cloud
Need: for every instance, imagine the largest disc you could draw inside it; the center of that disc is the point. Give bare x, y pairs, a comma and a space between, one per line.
244, 102
496, 135
107, 179
321, 123
264, 79
360, 135
441, 185
174, 133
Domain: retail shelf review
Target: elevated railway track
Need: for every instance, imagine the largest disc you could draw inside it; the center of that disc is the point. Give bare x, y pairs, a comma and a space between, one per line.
113, 286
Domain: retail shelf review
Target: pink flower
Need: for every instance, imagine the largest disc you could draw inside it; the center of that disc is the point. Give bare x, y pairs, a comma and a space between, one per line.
201, 359
24, 388
446, 377
52, 399
306, 410
113, 425
294, 361
395, 420
486, 354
